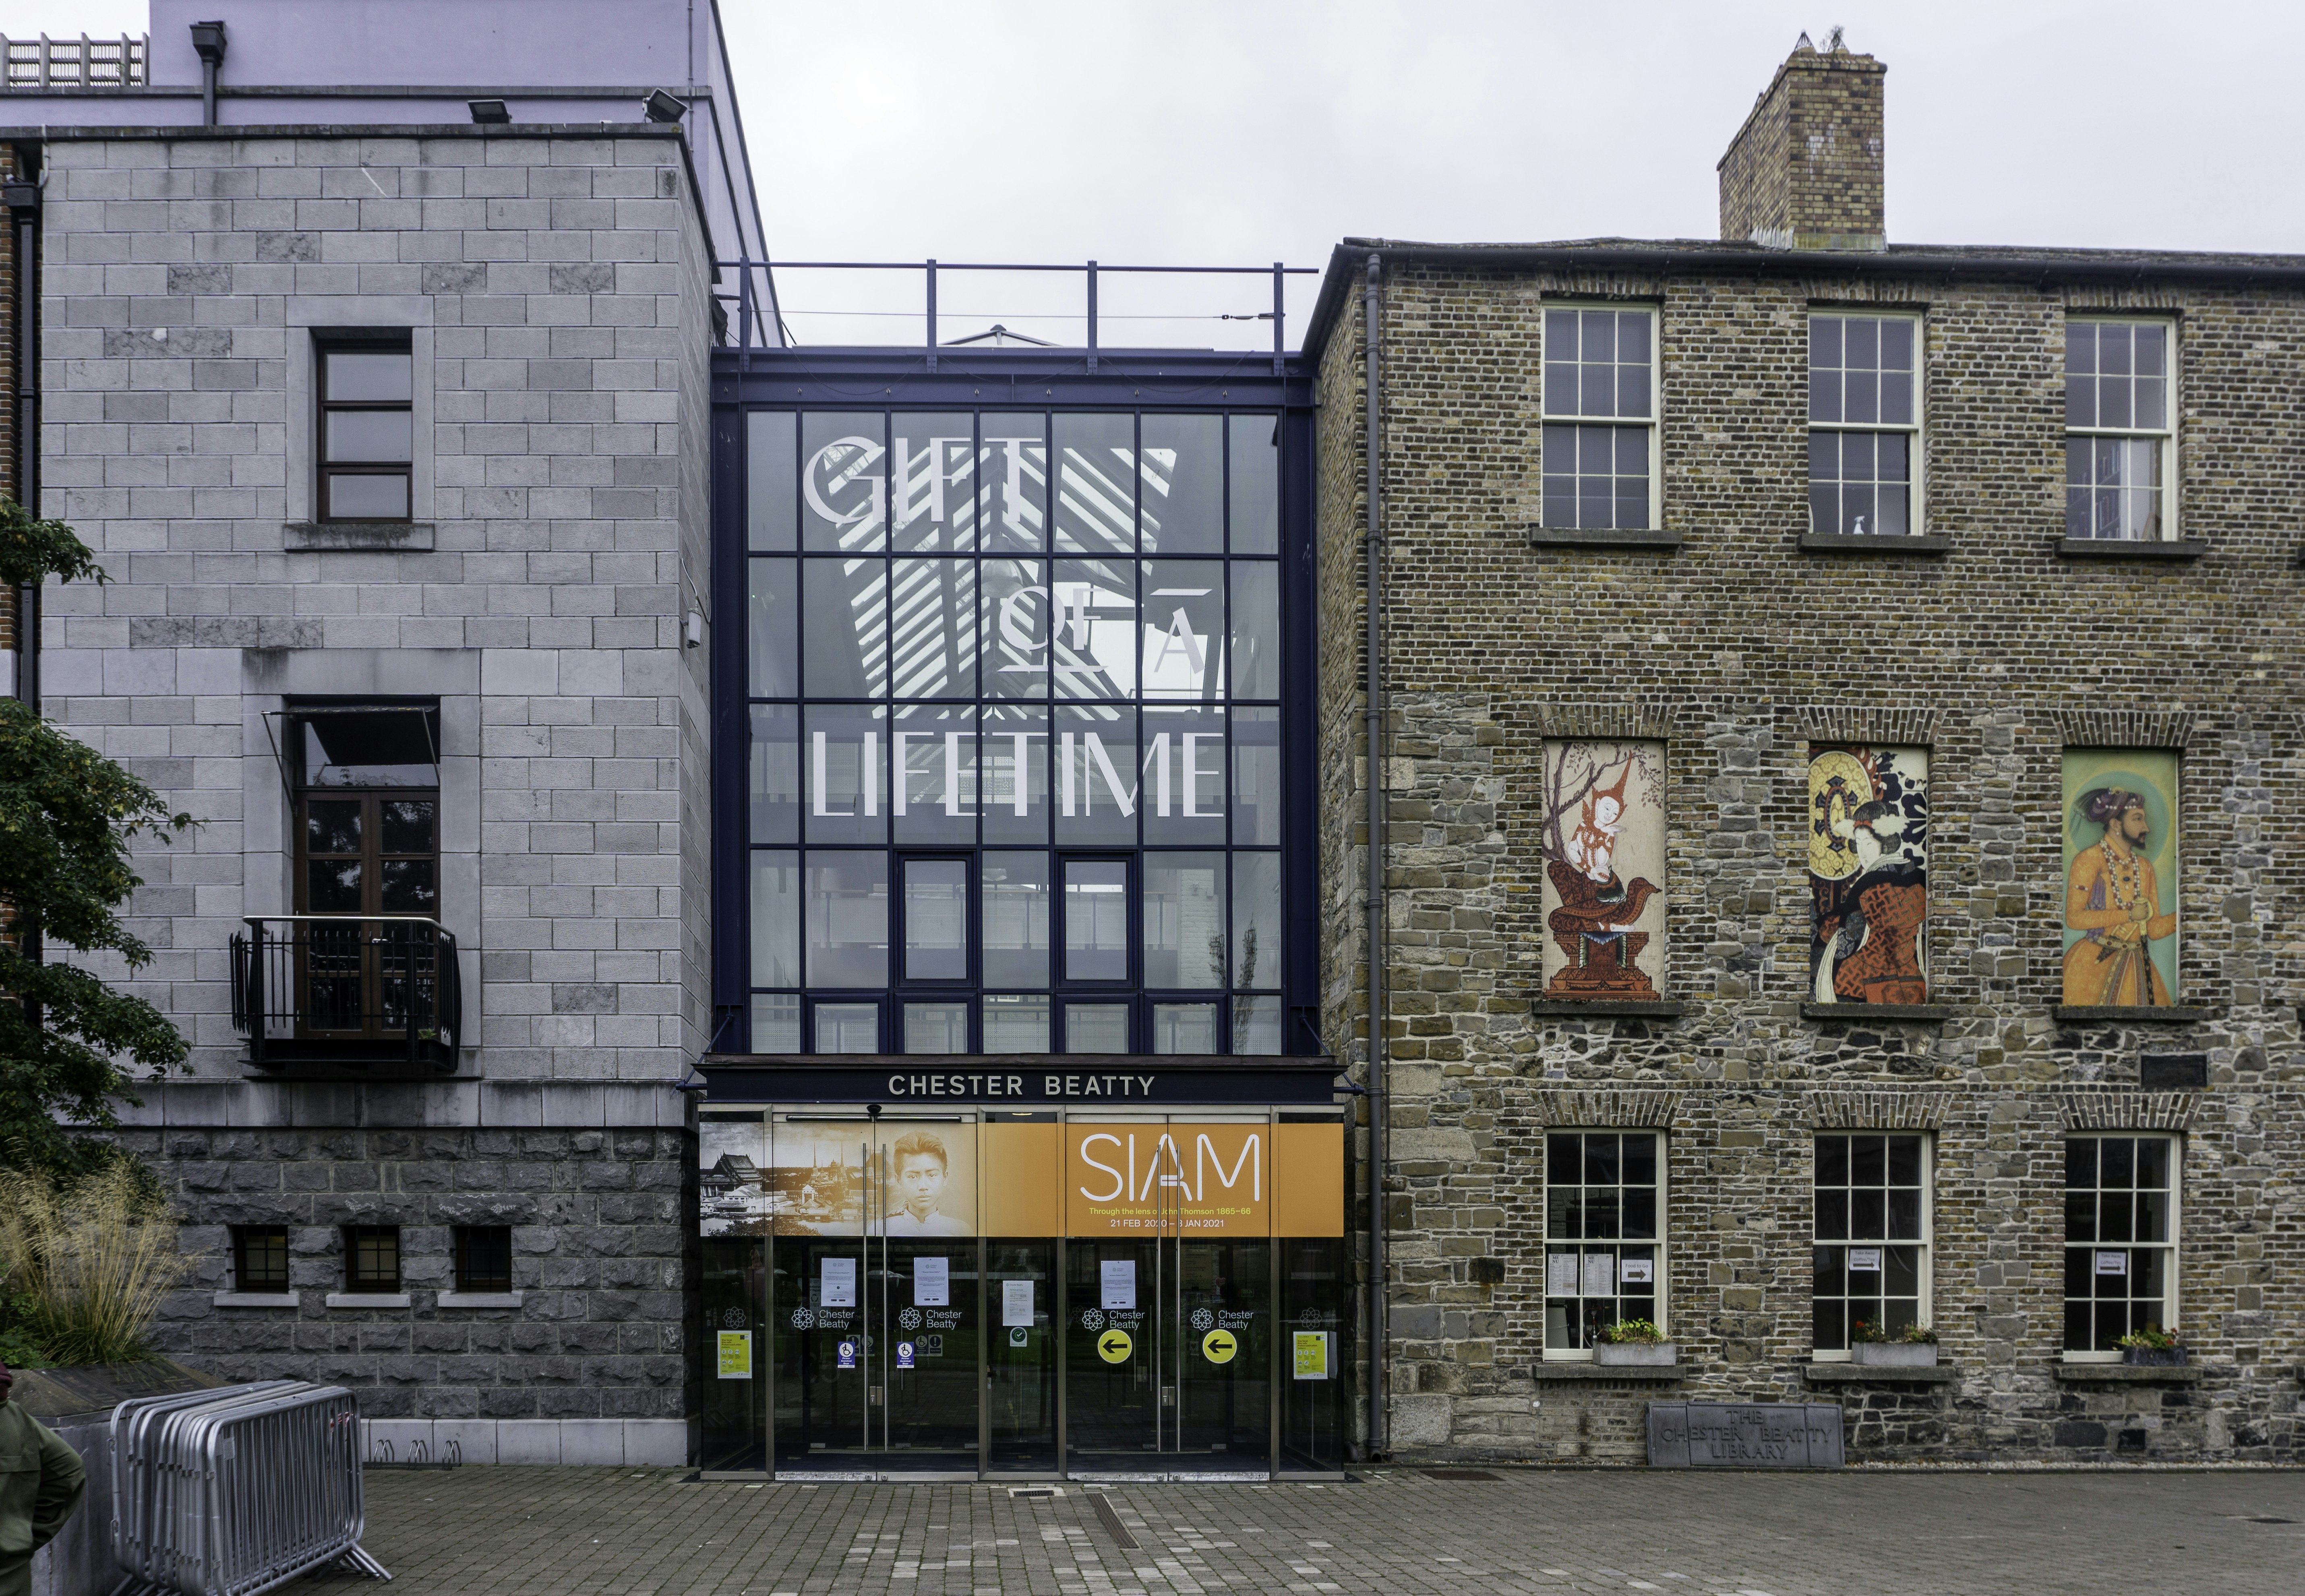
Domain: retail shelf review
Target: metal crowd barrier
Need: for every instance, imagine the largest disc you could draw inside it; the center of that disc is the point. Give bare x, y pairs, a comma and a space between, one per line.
232, 1491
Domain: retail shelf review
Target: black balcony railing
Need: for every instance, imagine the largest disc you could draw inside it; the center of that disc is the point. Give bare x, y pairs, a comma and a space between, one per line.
360, 991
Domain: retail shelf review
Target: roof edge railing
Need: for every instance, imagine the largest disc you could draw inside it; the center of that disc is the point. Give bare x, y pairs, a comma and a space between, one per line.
748, 311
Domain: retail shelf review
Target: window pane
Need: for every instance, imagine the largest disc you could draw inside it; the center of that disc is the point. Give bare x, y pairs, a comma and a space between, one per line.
1097, 1028
1257, 919
848, 1028
1182, 774
933, 492
932, 763
1096, 497
1096, 775
1832, 1160
848, 608
774, 776
776, 920
1185, 1028
1096, 919
1016, 617
1016, 1024
367, 495
376, 377
845, 760
1184, 920
332, 824
1014, 473
848, 920
936, 1027
1256, 776
358, 437
1014, 761
1183, 621
936, 921
1255, 630
844, 483
772, 628
1016, 921
1183, 508
932, 628
332, 886
1255, 484
407, 886
771, 485
1257, 1026
776, 1025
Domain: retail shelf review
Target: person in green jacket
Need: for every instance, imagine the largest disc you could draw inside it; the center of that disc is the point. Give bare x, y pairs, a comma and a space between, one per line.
40, 1483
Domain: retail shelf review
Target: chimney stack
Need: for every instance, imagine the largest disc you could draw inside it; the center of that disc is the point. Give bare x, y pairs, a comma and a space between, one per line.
1804, 172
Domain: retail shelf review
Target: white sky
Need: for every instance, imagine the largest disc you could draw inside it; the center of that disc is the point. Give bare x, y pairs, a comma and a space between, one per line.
1243, 132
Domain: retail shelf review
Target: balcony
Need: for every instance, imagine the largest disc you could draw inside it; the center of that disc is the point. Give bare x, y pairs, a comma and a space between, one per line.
369, 994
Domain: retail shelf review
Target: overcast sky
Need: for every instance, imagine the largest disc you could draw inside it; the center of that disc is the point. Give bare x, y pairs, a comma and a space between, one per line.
1240, 133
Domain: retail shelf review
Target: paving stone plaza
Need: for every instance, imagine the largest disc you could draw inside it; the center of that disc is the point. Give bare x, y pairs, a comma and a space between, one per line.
653, 1533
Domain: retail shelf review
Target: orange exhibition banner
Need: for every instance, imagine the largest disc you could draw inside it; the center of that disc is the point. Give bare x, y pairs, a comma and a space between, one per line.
1148, 1178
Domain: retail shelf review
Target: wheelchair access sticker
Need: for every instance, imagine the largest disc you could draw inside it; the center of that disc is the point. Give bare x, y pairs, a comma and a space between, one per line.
847, 1354
1114, 1346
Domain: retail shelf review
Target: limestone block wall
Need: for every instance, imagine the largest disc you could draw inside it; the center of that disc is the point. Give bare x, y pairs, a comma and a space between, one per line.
1737, 650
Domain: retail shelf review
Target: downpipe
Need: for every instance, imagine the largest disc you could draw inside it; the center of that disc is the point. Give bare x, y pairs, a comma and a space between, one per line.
1372, 699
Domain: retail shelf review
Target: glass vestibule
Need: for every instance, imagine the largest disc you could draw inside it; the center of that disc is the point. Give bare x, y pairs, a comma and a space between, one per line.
1023, 1293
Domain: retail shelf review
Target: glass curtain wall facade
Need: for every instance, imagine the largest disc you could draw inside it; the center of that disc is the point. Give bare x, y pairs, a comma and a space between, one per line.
1014, 775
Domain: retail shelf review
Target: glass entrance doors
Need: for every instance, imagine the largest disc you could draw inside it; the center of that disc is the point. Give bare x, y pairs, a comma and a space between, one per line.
878, 1331
1168, 1355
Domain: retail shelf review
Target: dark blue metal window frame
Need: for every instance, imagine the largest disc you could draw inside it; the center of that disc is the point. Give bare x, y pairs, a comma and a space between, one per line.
883, 381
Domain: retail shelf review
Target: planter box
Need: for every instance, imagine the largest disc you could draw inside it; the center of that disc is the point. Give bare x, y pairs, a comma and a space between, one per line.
1635, 1355
2154, 1357
1895, 1355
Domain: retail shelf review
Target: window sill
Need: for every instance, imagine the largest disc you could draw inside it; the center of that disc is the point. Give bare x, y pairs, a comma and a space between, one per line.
2070, 1373
1876, 543
367, 1299
2139, 1013
1580, 1370
257, 1299
309, 535
2128, 548
1604, 1008
480, 1299
1858, 1013
1604, 538
1879, 1374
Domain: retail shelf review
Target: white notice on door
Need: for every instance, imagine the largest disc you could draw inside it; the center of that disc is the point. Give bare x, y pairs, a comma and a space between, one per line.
1016, 1304
1118, 1276
1561, 1274
2112, 1263
1864, 1261
932, 1282
837, 1286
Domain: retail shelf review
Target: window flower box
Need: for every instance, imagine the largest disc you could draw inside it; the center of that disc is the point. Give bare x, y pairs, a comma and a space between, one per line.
2154, 1357
1635, 1355
1895, 1355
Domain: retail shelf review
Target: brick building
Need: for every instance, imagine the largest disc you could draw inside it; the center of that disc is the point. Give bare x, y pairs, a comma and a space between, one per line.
2056, 580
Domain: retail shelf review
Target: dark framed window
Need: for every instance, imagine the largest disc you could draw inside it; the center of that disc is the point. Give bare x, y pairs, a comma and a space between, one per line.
372, 1259
260, 1258
1864, 415
366, 427
367, 808
1872, 1251
484, 1258
1016, 757
2120, 1240
1603, 1234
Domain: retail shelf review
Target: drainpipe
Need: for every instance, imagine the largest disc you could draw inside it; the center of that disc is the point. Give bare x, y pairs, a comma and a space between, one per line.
22, 197
207, 38
1372, 697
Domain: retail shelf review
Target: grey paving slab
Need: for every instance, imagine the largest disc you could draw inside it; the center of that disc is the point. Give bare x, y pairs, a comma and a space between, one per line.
654, 1533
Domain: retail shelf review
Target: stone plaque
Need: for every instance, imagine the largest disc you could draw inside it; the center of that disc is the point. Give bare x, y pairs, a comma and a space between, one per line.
2174, 1072
1733, 1434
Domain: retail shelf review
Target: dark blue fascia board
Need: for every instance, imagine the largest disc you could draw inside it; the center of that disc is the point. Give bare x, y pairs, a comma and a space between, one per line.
1125, 376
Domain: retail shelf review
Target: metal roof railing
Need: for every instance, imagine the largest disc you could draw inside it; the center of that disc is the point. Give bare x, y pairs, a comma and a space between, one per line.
748, 303
82, 63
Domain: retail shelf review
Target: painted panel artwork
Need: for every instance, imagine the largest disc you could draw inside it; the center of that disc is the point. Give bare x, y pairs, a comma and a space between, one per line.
2120, 878
1603, 897
1868, 824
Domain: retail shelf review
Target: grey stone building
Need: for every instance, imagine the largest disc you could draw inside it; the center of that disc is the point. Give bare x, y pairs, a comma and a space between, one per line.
1722, 524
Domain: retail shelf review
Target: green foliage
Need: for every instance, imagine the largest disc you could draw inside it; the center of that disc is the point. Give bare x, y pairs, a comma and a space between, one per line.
19, 1347
2151, 1339
95, 1258
1640, 1332
68, 819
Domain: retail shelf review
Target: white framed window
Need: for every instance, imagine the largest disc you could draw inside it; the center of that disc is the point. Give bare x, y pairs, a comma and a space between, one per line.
2121, 1241
1864, 425
2120, 434
1873, 1228
1604, 1256
1600, 418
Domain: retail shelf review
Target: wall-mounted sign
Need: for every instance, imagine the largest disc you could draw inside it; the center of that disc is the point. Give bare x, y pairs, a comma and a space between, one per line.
1178, 1178
1716, 1435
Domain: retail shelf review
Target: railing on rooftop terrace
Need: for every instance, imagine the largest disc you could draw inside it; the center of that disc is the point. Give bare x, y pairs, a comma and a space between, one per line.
749, 300
82, 63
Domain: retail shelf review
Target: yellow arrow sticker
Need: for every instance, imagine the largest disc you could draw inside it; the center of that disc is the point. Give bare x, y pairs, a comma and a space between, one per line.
1114, 1346
1219, 1346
